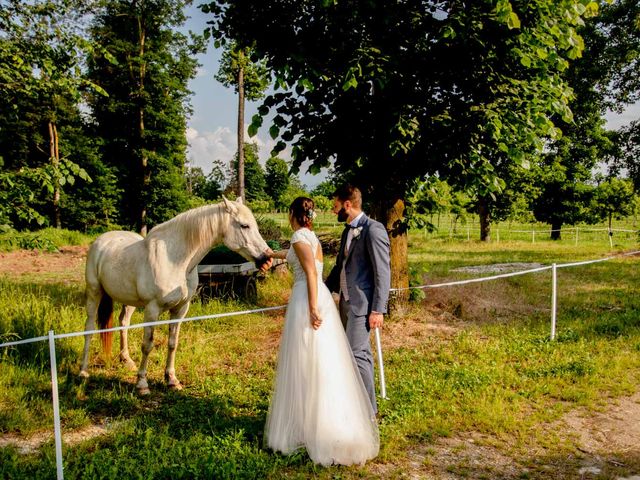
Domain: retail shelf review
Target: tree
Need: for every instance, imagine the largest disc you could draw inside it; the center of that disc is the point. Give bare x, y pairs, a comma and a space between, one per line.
277, 179
325, 189
396, 90
619, 30
143, 121
613, 198
254, 173
208, 187
41, 58
568, 163
250, 80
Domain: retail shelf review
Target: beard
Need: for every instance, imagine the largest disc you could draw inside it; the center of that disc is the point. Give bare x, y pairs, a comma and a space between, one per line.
342, 215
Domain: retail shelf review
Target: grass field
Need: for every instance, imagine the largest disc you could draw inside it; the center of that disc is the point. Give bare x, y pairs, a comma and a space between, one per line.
468, 362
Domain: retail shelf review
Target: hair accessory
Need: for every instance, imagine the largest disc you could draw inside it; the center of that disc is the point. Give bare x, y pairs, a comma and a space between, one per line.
311, 214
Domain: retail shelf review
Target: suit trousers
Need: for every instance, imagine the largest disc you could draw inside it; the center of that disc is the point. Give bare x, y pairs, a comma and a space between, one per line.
357, 329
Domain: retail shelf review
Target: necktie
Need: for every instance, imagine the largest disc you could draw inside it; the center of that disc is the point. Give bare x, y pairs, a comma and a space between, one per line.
343, 275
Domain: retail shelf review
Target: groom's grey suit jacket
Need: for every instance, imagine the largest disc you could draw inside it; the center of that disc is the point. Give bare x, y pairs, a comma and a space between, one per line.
367, 268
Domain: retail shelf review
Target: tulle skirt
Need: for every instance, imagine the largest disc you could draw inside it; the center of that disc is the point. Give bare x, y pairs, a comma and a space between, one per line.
319, 401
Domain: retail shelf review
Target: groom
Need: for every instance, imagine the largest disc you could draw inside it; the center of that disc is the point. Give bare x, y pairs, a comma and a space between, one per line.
362, 276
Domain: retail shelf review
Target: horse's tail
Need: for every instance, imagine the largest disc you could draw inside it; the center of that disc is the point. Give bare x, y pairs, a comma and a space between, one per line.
105, 320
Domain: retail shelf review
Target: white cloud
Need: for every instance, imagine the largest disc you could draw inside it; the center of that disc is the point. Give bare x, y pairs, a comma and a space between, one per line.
201, 72
205, 147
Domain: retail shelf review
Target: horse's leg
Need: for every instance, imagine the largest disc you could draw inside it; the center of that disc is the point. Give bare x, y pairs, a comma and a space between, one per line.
94, 295
125, 320
151, 314
174, 333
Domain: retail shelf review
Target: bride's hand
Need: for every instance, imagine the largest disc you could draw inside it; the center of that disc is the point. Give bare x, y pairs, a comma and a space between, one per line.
316, 321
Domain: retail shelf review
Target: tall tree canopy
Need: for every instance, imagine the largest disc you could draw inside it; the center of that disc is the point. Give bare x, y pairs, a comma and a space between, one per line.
250, 80
254, 173
42, 50
395, 90
277, 180
143, 119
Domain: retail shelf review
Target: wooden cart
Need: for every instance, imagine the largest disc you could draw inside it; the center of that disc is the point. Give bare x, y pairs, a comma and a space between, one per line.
238, 280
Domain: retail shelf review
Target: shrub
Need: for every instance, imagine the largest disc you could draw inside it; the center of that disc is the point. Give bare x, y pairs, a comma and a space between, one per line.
269, 228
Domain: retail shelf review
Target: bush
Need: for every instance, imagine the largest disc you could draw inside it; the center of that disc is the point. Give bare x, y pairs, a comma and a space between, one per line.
49, 239
323, 204
260, 206
269, 228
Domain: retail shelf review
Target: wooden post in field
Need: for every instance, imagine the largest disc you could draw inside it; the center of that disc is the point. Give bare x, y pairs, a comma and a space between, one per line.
533, 236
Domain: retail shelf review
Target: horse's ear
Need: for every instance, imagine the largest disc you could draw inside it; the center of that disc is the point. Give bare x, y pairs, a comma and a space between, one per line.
229, 206
239, 200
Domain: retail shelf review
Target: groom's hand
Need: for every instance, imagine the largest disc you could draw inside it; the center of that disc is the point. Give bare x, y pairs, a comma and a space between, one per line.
376, 320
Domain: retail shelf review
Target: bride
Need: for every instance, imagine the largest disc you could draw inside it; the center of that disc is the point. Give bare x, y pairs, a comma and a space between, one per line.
319, 402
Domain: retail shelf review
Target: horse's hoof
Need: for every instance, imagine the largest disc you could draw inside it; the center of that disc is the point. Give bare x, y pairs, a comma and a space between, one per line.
130, 365
83, 374
143, 392
175, 386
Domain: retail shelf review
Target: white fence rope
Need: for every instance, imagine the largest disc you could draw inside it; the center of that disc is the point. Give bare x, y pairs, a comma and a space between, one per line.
51, 337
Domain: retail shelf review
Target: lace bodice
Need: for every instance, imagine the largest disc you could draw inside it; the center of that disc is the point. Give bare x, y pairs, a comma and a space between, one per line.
303, 235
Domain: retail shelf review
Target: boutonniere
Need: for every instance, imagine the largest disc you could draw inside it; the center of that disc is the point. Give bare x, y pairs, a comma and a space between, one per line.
356, 232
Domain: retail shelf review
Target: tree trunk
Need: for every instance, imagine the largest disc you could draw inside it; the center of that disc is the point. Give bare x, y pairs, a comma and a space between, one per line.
391, 215
241, 191
54, 153
144, 159
485, 220
556, 227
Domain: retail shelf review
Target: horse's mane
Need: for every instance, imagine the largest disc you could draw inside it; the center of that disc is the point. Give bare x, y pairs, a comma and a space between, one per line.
199, 225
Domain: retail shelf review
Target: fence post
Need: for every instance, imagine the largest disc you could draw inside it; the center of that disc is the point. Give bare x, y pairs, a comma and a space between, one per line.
56, 405
611, 239
533, 236
554, 299
383, 383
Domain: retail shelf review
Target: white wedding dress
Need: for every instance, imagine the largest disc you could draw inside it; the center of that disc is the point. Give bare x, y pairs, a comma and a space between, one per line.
319, 402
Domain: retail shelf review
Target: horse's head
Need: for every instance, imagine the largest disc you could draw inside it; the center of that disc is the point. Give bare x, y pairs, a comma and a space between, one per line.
242, 234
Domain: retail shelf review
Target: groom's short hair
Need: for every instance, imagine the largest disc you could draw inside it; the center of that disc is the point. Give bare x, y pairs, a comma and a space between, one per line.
351, 193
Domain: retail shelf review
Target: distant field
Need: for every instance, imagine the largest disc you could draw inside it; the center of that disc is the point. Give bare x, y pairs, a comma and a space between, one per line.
477, 389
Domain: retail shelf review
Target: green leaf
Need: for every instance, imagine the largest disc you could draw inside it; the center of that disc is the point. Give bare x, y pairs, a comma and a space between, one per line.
274, 131
256, 123
525, 60
315, 169
351, 82
513, 21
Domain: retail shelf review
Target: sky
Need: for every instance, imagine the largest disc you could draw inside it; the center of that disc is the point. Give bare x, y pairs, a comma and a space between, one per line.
211, 130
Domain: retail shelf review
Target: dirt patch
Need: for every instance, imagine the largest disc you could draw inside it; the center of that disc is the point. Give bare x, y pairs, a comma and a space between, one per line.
31, 444
602, 444
63, 266
499, 268
614, 429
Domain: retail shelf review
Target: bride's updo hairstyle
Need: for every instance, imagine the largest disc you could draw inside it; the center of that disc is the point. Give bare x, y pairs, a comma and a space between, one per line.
303, 210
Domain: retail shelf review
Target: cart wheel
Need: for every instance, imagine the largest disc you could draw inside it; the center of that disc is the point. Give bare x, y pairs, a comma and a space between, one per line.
251, 289
206, 292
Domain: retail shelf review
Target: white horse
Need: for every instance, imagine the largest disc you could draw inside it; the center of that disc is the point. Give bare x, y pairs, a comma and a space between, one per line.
159, 273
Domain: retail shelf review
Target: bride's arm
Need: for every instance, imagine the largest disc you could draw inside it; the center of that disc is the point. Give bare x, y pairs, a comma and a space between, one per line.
279, 254
308, 262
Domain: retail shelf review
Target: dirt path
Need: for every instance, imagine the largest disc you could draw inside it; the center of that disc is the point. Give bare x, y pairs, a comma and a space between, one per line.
64, 266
